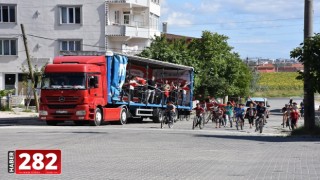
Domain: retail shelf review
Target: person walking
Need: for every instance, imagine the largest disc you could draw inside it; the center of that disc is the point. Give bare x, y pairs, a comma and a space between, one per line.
229, 113
294, 115
250, 113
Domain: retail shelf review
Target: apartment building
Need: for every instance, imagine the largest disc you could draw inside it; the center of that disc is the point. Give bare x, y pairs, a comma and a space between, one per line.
56, 27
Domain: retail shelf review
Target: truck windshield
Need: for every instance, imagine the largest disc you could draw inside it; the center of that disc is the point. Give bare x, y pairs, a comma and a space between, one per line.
64, 81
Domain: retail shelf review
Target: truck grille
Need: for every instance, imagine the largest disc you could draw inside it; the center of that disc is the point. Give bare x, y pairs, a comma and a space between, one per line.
62, 99
61, 106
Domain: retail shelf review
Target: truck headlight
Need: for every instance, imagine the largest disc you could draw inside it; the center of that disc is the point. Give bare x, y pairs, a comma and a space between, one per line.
43, 113
81, 113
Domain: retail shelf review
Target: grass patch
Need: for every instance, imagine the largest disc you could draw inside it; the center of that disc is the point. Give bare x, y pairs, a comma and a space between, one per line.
303, 131
27, 110
279, 93
6, 108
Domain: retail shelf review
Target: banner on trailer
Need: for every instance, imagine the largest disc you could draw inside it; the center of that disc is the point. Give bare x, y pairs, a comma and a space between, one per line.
118, 75
176, 76
139, 71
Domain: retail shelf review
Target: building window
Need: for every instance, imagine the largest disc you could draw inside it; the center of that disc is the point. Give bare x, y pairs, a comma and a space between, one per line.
7, 13
70, 45
154, 21
117, 17
8, 47
126, 17
70, 15
155, 1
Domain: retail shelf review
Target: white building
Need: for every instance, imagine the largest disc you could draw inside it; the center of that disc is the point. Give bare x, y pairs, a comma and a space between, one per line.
125, 26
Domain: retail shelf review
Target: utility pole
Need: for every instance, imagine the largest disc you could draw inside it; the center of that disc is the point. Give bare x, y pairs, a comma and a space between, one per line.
309, 120
30, 68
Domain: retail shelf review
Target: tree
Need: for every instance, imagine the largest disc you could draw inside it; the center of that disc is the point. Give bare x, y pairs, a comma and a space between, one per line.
163, 50
26, 81
218, 70
308, 53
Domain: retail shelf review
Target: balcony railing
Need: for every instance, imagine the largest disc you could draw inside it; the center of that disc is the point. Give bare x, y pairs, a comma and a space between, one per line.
130, 31
115, 30
138, 2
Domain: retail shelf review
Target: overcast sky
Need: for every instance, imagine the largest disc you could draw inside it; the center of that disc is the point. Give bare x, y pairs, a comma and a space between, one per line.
256, 28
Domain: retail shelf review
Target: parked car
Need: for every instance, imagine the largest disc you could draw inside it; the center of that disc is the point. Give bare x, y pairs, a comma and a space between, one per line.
258, 100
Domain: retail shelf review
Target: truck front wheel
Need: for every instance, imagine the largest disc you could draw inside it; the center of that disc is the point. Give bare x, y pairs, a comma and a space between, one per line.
123, 116
97, 118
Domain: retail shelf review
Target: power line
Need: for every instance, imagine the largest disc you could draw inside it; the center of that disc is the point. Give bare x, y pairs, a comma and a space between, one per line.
242, 22
89, 45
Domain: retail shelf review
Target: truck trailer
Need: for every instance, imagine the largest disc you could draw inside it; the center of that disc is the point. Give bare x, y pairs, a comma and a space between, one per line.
95, 89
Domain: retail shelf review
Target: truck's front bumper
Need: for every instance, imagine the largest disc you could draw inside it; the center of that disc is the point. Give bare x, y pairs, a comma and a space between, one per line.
80, 112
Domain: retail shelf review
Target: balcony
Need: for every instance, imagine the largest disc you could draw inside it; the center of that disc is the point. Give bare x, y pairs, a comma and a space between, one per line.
115, 30
132, 2
128, 31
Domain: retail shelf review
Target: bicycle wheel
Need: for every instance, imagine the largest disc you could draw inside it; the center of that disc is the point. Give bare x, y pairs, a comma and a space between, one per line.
261, 125
201, 123
237, 125
170, 124
163, 121
194, 122
208, 118
292, 125
187, 117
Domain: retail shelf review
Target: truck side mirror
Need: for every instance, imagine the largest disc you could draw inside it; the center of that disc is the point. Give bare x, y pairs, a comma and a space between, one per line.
94, 82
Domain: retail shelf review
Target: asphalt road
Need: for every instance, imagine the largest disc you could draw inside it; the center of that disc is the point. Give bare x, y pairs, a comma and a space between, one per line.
144, 151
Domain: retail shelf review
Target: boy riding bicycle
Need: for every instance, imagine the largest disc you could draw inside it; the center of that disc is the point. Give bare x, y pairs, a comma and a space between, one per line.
170, 111
261, 111
239, 110
199, 112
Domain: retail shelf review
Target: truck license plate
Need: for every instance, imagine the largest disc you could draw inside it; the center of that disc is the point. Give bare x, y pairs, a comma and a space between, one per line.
61, 112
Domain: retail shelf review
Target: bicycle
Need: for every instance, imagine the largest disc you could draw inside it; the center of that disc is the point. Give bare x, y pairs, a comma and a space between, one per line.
260, 123
209, 117
289, 123
182, 117
166, 121
198, 121
239, 121
284, 120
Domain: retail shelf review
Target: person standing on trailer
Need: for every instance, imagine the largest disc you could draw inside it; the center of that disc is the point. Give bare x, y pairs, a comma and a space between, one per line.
132, 84
166, 91
151, 86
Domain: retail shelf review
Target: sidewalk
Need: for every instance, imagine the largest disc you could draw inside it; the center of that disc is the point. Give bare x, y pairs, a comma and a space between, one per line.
17, 114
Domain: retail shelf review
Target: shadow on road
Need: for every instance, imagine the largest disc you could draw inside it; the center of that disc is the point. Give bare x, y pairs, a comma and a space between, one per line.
262, 138
20, 121
34, 121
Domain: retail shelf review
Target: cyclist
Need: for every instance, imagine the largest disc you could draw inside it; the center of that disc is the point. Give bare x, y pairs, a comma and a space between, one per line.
261, 111
239, 111
284, 116
199, 111
170, 110
288, 111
